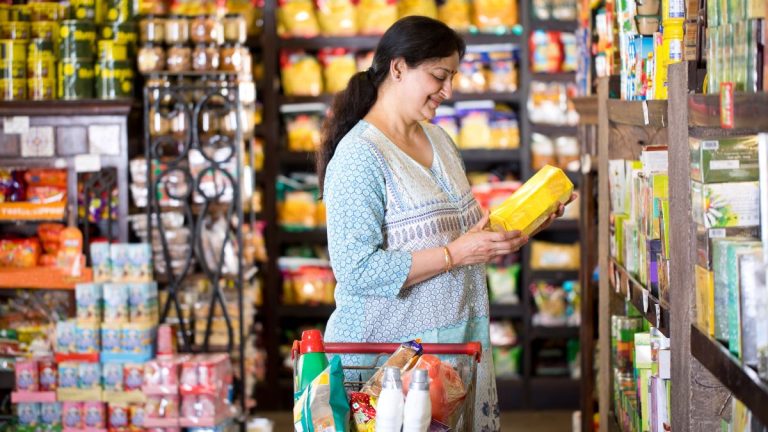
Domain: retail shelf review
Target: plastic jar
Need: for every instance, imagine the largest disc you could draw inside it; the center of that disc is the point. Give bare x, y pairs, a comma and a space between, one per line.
205, 29
151, 58
235, 29
648, 7
231, 58
179, 58
647, 25
176, 30
151, 29
205, 58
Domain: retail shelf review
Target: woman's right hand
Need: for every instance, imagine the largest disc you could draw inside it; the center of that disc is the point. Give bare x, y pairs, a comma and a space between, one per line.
479, 246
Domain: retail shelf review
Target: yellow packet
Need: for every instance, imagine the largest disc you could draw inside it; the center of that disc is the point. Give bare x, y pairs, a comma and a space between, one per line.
532, 204
374, 17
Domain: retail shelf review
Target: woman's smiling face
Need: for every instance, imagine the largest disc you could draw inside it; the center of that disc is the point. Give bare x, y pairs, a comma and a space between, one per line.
424, 87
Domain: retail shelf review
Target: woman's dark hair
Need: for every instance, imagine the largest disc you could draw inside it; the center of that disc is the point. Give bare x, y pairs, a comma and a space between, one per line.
416, 39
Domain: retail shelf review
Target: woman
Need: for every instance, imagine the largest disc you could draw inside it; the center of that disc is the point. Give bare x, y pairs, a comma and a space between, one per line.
405, 235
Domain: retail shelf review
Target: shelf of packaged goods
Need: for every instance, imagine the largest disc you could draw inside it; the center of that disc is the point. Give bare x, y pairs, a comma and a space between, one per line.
41, 278
554, 24
554, 275
456, 97
7, 380
28, 212
557, 392
741, 380
563, 225
304, 311
652, 113
488, 156
316, 236
750, 111
613, 424
506, 311
511, 391
554, 130
586, 106
323, 98
298, 159
563, 77
370, 42
86, 107
559, 332
640, 297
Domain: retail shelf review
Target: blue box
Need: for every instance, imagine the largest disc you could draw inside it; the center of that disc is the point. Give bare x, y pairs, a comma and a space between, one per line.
89, 375
115, 303
100, 262
89, 302
87, 338
112, 376
50, 413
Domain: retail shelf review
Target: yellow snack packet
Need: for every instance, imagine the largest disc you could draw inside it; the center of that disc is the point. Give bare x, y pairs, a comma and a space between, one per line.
529, 207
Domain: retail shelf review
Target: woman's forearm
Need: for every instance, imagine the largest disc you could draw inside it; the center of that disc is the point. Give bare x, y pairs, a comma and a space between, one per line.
425, 264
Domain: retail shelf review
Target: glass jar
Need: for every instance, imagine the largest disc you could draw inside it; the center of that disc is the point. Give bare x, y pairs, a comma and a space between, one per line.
176, 30
231, 58
205, 58
235, 29
151, 58
152, 29
179, 58
205, 29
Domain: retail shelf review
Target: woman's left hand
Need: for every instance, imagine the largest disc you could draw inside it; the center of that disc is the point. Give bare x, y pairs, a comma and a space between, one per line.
555, 215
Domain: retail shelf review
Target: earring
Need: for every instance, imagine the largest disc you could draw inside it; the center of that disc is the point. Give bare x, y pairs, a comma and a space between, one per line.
397, 77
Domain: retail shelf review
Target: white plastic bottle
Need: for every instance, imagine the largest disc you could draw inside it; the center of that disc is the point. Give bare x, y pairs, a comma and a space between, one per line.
389, 409
418, 406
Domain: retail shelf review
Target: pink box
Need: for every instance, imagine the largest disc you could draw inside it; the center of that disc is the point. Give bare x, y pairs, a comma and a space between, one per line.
32, 397
162, 407
26, 375
93, 415
72, 415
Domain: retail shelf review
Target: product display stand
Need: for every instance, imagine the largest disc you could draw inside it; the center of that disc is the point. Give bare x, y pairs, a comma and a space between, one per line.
216, 103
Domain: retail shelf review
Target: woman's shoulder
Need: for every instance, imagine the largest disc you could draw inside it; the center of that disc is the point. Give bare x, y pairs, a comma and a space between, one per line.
356, 148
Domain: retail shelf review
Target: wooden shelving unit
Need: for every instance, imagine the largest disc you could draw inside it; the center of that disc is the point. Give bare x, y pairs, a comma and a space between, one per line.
629, 289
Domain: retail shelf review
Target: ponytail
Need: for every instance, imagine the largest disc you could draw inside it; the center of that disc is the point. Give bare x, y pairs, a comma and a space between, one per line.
416, 39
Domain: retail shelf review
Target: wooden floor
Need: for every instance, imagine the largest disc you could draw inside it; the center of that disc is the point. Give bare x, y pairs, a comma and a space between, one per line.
516, 421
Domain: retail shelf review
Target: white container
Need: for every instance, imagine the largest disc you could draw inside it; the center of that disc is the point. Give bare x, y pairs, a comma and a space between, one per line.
418, 406
389, 410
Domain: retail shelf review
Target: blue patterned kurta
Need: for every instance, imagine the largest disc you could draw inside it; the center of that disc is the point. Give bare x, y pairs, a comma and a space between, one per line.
383, 205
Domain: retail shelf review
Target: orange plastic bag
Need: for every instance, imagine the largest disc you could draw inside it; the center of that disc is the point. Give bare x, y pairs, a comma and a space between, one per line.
446, 390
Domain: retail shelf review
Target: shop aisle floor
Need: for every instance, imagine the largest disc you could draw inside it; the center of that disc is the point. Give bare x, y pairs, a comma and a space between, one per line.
514, 421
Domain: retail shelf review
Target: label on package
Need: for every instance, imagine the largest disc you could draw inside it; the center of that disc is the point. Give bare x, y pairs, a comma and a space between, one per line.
724, 164
717, 233
16, 125
710, 145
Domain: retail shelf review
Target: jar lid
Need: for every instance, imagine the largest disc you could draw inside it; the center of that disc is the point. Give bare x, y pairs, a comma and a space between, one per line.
233, 15
179, 46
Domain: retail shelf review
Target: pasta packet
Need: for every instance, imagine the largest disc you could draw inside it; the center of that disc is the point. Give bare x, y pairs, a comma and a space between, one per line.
455, 14
301, 74
339, 66
374, 17
404, 358
337, 17
297, 18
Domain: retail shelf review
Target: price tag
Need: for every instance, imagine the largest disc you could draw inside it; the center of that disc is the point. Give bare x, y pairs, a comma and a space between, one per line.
87, 163
616, 281
726, 105
629, 290
645, 300
658, 315
16, 125
645, 113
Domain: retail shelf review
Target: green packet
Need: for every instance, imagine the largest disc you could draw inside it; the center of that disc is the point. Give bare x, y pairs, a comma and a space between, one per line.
724, 160
323, 405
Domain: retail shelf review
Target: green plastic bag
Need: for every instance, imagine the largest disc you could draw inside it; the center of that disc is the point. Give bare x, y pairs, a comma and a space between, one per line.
323, 405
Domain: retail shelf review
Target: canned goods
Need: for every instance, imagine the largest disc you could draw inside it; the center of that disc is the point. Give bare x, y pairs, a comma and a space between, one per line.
41, 68
77, 31
13, 57
114, 80
18, 30
82, 9
5, 12
40, 89
44, 30
19, 13
13, 89
116, 11
75, 79
110, 51
40, 48
45, 11
70, 49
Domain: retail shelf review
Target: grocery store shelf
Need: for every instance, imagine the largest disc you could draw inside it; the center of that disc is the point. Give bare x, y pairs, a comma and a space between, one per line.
554, 77
25, 211
554, 25
40, 278
7, 380
323, 98
554, 130
489, 38
554, 275
494, 96
750, 111
559, 332
651, 113
370, 42
484, 156
741, 380
318, 311
554, 392
511, 392
641, 298
87, 107
507, 311
586, 106
316, 236
561, 225
298, 159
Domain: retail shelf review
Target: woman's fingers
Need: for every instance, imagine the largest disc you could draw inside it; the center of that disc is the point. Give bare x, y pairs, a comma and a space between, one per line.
480, 225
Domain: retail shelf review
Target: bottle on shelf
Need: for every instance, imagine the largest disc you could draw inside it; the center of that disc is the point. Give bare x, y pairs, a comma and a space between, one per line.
417, 413
389, 410
312, 360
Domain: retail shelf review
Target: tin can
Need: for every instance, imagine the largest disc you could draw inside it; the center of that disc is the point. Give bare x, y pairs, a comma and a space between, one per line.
45, 11
40, 47
44, 30
41, 67
81, 50
75, 79
114, 80
124, 33
12, 89
13, 58
111, 51
77, 31
19, 12
116, 11
82, 9
17, 30
41, 89
5, 12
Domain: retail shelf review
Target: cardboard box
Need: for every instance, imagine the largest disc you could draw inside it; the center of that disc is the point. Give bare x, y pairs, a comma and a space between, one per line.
724, 205
724, 160
706, 236
735, 252
753, 297
617, 237
705, 293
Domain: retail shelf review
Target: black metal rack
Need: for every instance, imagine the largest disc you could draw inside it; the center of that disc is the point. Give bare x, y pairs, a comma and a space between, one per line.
197, 203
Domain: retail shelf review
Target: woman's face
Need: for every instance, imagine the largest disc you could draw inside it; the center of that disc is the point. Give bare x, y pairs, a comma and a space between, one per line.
425, 87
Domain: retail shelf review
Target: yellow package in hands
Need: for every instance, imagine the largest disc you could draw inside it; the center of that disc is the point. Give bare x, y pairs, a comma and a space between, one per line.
529, 207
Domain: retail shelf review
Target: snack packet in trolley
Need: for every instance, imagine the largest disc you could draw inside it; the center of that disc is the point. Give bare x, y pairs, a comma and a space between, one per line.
404, 358
323, 405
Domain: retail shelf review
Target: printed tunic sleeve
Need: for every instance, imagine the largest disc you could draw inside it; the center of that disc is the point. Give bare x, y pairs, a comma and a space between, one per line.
355, 198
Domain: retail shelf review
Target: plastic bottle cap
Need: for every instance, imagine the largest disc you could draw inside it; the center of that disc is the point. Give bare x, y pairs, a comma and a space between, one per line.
312, 342
391, 378
419, 379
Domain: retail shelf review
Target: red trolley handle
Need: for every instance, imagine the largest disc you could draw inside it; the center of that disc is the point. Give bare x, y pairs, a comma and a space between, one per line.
473, 349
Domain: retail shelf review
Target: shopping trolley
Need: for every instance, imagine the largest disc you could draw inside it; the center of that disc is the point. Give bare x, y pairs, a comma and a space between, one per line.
463, 357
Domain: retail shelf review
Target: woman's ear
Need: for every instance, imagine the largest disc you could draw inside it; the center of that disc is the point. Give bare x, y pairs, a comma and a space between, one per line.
397, 68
